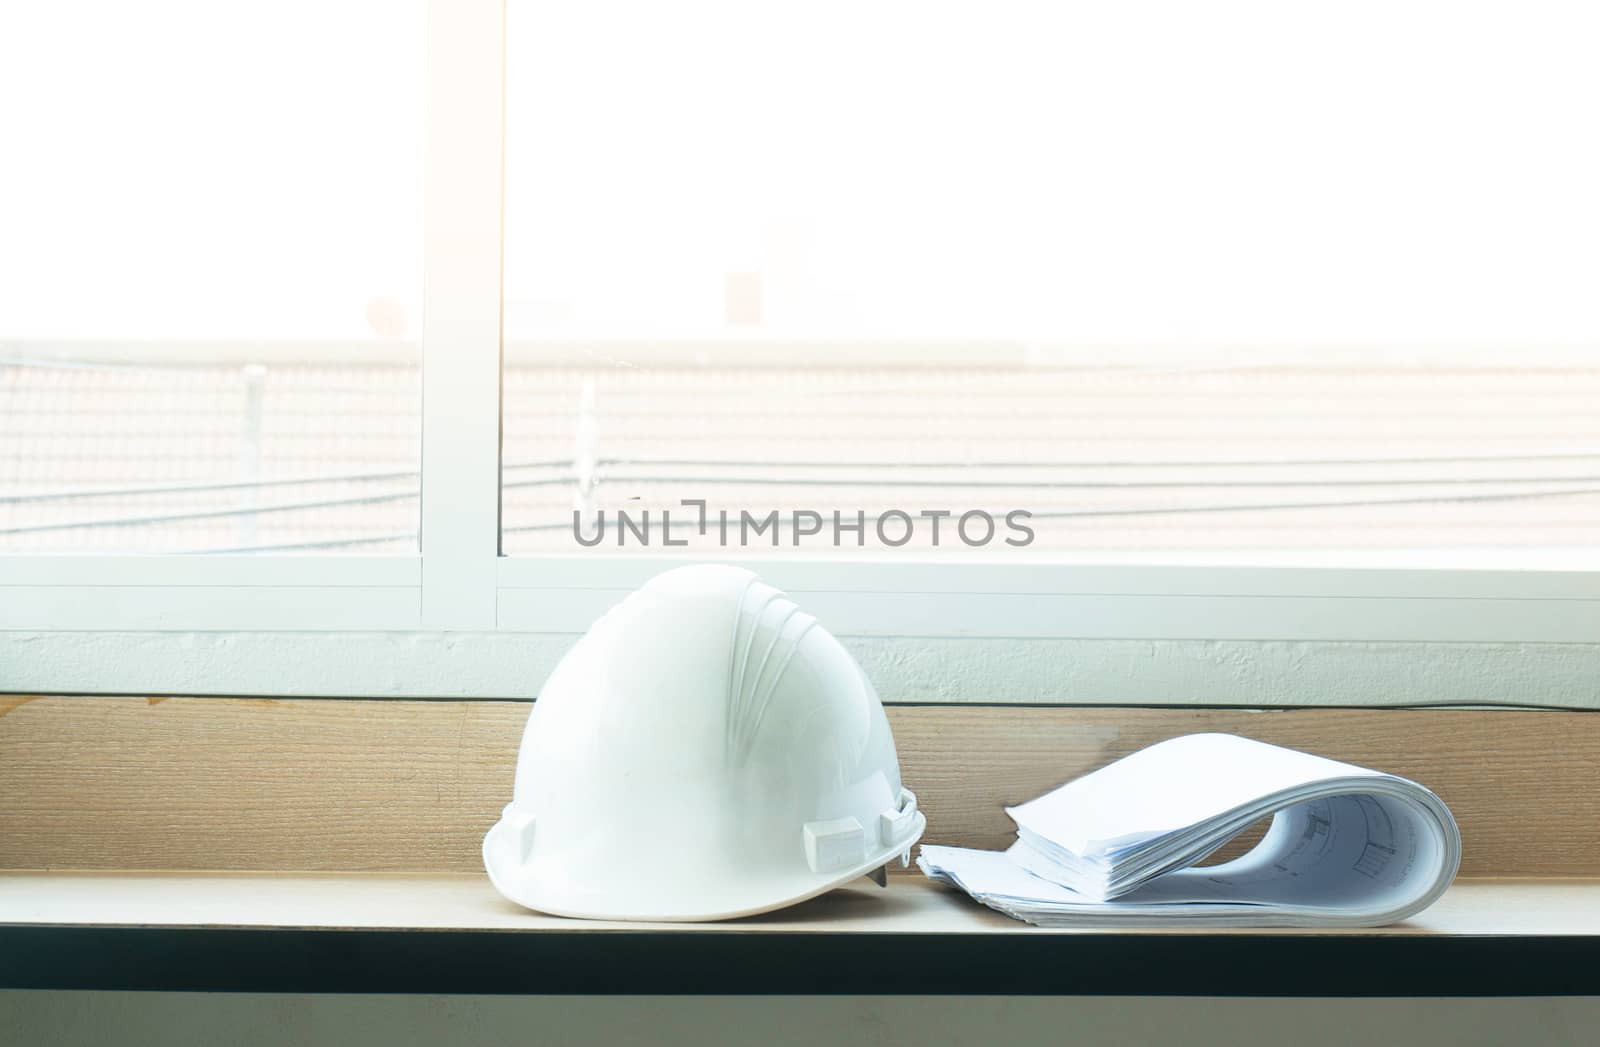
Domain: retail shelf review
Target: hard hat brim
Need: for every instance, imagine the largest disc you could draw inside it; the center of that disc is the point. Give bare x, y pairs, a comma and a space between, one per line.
637, 898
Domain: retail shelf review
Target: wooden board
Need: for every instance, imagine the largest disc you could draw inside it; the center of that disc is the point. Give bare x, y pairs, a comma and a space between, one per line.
451, 933
258, 784
467, 902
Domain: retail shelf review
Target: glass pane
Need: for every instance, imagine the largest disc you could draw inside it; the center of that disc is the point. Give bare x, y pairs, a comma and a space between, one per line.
1164, 275
210, 273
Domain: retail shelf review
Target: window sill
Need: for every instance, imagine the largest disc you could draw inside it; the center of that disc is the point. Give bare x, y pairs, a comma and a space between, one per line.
451, 933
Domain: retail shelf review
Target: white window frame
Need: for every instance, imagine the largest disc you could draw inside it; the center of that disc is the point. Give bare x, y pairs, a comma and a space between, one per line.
458, 619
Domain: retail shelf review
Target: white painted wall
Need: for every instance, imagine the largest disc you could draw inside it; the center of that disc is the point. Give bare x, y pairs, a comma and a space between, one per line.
905, 669
45, 1019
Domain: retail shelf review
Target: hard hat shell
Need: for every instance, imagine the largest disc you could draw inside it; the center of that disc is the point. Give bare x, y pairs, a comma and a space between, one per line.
705, 751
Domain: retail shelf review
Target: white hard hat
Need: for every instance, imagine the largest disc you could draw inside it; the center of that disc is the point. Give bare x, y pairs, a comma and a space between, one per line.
706, 751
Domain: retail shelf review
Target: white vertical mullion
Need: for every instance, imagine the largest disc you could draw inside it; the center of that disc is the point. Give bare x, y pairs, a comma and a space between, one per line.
461, 313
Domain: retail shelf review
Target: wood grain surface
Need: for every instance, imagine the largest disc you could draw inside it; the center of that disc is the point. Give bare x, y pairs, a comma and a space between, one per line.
467, 902
345, 785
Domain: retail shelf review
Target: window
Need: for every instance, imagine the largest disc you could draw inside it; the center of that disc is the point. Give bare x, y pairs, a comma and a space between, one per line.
1273, 323
1232, 277
211, 273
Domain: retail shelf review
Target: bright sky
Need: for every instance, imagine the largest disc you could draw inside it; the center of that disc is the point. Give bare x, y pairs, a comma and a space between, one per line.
1175, 172
194, 168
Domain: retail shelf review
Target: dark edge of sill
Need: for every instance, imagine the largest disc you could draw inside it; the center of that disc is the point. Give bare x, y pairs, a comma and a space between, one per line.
675, 962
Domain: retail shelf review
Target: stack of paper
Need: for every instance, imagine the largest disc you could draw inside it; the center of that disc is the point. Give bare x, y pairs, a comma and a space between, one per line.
1346, 846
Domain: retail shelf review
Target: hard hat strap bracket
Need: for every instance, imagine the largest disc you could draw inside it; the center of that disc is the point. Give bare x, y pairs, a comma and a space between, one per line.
898, 822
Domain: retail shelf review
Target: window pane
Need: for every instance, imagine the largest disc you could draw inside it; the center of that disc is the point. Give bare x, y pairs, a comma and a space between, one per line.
210, 274
1166, 275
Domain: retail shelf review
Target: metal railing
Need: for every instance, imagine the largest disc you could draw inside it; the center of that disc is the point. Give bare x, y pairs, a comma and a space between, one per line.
589, 473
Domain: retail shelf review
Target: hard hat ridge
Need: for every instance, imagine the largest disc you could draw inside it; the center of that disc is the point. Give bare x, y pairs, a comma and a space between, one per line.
765, 640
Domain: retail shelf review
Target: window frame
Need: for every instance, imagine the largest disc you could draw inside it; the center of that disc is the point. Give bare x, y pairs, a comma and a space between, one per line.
150, 609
